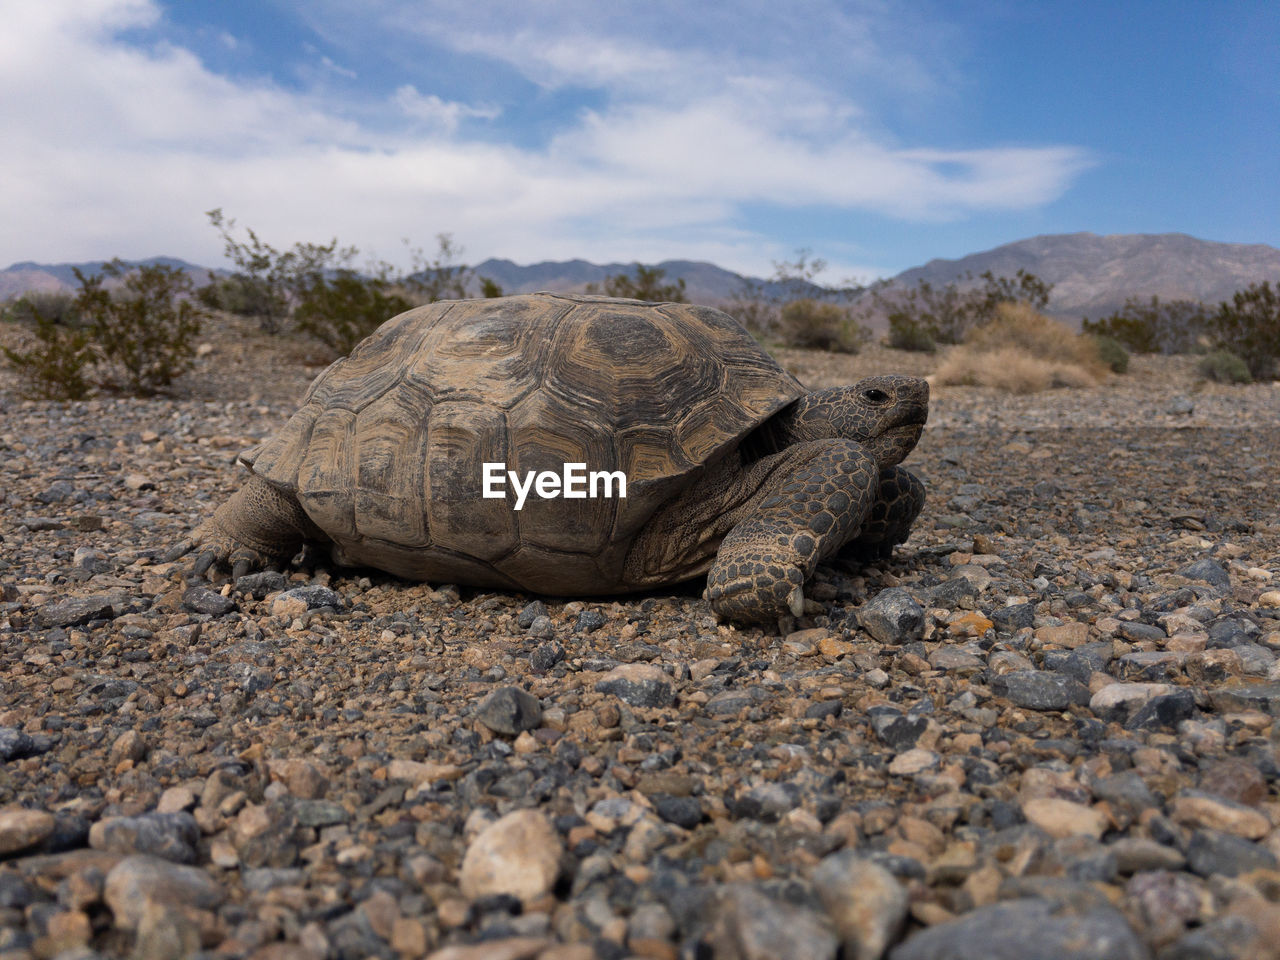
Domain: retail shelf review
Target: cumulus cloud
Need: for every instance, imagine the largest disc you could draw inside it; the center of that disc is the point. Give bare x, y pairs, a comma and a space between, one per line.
115, 144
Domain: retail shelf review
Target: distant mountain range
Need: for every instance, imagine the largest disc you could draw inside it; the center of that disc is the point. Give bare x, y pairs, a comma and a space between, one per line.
1092, 275
27, 276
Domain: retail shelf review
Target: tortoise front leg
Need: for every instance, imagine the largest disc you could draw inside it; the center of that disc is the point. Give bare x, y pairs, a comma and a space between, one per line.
813, 503
258, 526
899, 502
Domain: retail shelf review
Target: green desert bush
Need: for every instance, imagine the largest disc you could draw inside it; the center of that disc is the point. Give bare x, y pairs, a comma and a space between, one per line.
927, 313
343, 308
56, 367
1111, 352
1248, 325
138, 337
646, 285
58, 307
907, 332
819, 325
1223, 366
144, 330
1153, 325
1023, 351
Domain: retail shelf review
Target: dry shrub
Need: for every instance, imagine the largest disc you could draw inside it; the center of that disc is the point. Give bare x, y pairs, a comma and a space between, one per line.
1023, 351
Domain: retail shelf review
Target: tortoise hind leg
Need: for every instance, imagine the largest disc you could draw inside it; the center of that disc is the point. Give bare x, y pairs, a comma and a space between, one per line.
258, 526
817, 499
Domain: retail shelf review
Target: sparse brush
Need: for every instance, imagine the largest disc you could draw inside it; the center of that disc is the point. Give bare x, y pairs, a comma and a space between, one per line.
53, 306
1112, 353
906, 332
54, 369
342, 309
1010, 368
1023, 351
822, 326
146, 329
1223, 366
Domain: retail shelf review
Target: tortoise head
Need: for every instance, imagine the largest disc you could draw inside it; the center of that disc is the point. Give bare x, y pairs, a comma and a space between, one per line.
885, 414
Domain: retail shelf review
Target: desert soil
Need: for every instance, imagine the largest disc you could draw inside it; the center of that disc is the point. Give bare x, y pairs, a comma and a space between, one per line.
1045, 728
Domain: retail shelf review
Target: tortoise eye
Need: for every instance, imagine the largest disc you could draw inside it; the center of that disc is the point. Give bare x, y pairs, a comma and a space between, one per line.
875, 396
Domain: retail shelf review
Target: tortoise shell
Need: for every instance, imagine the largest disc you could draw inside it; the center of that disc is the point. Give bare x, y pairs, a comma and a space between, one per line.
386, 453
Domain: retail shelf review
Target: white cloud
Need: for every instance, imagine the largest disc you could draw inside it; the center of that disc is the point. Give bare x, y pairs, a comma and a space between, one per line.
113, 148
438, 114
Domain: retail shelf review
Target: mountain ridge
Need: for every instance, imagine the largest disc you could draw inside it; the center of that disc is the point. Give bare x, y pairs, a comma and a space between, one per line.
1092, 274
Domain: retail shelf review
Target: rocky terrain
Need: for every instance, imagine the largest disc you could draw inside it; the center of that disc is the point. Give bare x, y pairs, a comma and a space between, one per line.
1045, 729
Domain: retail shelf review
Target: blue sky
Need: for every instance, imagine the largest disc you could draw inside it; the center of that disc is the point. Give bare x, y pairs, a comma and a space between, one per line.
876, 134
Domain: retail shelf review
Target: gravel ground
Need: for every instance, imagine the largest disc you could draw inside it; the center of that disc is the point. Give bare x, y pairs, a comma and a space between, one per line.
1045, 729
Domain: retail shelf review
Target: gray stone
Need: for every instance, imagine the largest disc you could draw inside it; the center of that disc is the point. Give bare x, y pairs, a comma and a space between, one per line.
1027, 929
315, 596
1208, 571
893, 617
1040, 690
1224, 938
531, 612
268, 878
589, 621
1213, 852
682, 811
1264, 697
319, 813
896, 729
749, 925
546, 656
1167, 710
75, 611
259, 584
1136, 854
1137, 630
767, 802
728, 702
509, 711
15, 744
639, 684
169, 836
203, 600
1012, 618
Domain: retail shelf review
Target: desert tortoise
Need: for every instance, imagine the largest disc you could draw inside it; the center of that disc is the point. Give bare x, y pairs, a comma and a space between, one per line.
730, 468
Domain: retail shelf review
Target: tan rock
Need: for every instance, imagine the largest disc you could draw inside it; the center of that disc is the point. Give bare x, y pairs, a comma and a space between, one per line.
912, 762
21, 828
138, 881
418, 772
518, 854
1218, 813
1064, 818
1133, 695
1069, 635
510, 948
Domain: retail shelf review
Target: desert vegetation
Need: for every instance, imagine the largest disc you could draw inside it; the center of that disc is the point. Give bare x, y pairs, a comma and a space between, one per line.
137, 338
1021, 350
924, 316
793, 310
644, 283
1239, 339
133, 329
